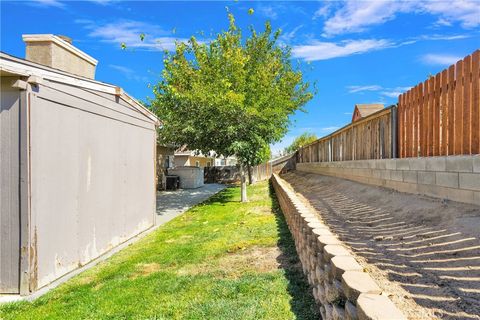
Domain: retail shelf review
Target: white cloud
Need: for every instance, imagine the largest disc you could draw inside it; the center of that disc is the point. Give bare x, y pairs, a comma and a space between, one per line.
287, 37
387, 92
129, 31
323, 11
129, 73
435, 37
330, 129
358, 16
347, 113
466, 12
47, 3
440, 59
394, 92
354, 89
318, 50
268, 11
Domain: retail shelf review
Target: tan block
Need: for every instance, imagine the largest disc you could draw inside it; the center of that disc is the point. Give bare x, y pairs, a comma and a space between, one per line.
327, 240
322, 312
338, 312
355, 283
350, 311
377, 307
333, 290
320, 274
322, 232
333, 250
315, 225
328, 311
321, 294
308, 220
341, 264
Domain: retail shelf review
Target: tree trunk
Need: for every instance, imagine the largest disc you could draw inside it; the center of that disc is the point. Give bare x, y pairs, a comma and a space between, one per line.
249, 169
244, 183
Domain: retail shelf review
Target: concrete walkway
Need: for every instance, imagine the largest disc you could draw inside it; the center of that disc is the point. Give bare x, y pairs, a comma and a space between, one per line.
171, 204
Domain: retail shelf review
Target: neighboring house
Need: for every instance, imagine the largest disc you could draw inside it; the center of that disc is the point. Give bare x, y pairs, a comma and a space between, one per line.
185, 157
77, 164
364, 110
225, 161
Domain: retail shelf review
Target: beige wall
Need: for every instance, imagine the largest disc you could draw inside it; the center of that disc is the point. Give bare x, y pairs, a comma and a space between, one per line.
92, 178
181, 160
455, 178
52, 55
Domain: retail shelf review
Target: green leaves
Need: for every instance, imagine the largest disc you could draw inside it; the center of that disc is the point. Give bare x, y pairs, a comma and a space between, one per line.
300, 141
233, 95
250, 11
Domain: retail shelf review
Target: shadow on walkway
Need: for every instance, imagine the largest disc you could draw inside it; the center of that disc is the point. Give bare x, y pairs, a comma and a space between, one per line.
302, 303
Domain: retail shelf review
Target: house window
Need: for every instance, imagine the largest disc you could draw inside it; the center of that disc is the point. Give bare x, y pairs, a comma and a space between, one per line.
208, 163
197, 164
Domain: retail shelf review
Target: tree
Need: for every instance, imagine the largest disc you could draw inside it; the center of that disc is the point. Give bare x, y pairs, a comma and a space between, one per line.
300, 141
232, 95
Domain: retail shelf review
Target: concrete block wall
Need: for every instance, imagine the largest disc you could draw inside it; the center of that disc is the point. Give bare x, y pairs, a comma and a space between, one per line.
340, 286
455, 178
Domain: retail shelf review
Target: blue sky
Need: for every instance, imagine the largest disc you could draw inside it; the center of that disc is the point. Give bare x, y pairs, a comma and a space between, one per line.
355, 51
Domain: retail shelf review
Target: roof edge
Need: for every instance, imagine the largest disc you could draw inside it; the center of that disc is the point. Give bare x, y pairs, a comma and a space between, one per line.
22, 67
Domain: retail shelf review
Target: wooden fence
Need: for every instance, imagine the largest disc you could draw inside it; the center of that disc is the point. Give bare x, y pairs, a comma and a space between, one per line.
441, 116
370, 138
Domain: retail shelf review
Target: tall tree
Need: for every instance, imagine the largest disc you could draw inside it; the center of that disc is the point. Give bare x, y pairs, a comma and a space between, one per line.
231, 95
300, 141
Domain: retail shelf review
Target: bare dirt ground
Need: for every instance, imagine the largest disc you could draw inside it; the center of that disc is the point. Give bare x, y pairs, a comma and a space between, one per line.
423, 252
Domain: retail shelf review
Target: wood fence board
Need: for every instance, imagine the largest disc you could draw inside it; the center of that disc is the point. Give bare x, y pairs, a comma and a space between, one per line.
431, 92
467, 69
451, 109
458, 109
436, 116
424, 116
400, 135
443, 113
414, 121
476, 102
408, 124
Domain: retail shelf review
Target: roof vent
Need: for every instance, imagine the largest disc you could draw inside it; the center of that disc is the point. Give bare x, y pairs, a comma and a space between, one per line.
59, 53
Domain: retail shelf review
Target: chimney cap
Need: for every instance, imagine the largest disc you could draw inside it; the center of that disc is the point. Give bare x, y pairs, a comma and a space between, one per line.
58, 40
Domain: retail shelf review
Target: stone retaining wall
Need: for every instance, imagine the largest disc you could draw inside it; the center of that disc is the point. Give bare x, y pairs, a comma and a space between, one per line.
455, 178
340, 286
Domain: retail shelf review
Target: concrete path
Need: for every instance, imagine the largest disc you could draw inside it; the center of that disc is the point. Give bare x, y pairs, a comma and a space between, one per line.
171, 204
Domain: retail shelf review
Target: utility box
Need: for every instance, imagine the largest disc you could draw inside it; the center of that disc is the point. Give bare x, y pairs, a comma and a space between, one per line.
190, 177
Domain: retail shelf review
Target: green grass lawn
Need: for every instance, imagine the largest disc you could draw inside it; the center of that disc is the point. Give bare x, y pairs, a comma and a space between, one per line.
221, 260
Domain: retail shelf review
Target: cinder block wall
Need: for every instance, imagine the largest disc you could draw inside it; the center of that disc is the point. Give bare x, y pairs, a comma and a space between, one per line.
340, 286
455, 178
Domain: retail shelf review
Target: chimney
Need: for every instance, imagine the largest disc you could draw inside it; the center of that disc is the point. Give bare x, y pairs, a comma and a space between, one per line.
59, 53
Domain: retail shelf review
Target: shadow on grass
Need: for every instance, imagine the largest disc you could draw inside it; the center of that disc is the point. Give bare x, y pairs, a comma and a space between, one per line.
302, 303
224, 196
